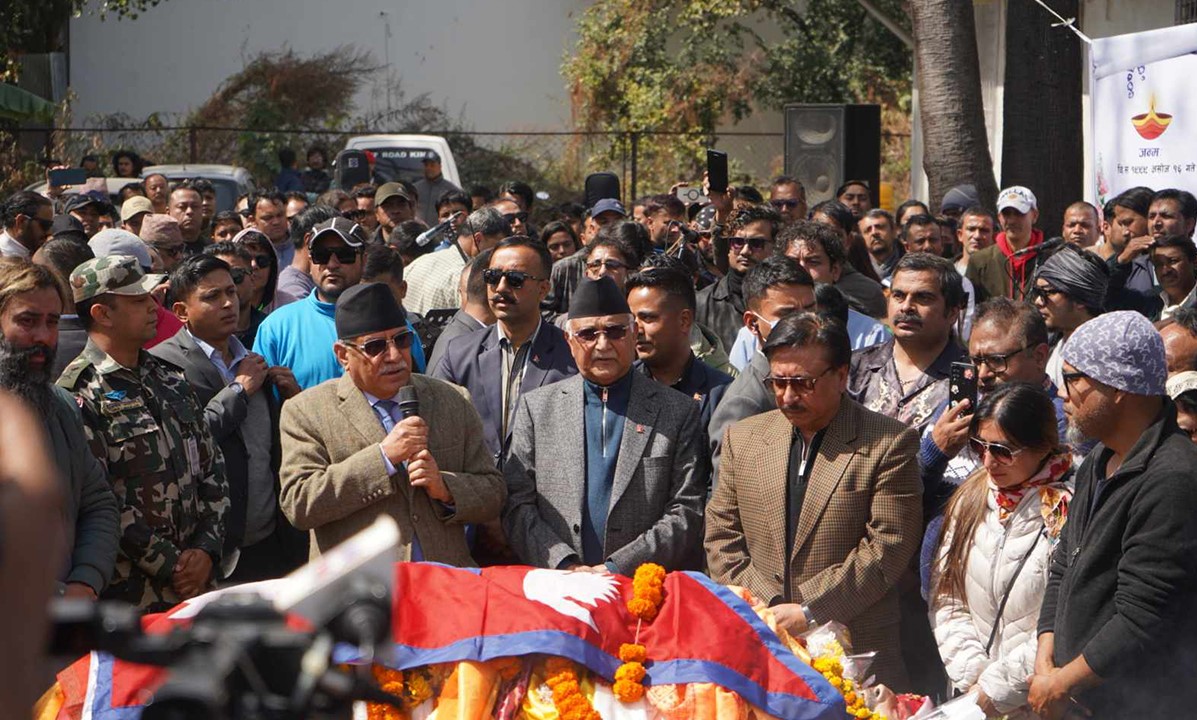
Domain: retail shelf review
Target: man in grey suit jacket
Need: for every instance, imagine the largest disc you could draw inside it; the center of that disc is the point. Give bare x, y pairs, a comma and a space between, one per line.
352, 453
241, 412
634, 444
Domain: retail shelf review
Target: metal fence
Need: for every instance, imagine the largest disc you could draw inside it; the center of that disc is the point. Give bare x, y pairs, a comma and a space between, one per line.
556, 162
1186, 11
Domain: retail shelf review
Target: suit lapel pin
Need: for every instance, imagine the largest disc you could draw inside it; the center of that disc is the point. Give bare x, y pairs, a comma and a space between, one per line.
535, 358
640, 429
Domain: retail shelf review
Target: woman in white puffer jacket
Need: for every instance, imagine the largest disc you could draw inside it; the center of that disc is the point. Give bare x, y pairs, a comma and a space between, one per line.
999, 530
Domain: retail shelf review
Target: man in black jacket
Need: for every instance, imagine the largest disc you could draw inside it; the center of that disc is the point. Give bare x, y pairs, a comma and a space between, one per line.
1117, 633
240, 411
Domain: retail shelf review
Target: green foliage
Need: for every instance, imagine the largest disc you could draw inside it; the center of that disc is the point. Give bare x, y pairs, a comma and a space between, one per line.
689, 66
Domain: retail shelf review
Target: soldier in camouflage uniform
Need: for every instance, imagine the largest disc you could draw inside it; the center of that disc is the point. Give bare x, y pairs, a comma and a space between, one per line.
145, 426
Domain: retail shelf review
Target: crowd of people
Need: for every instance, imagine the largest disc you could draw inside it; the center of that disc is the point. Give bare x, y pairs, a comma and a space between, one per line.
746, 387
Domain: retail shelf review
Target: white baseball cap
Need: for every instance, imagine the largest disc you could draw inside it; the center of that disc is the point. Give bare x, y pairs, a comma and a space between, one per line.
1017, 197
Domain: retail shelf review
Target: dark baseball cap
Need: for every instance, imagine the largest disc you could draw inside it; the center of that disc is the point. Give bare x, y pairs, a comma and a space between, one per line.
91, 197
351, 233
607, 205
68, 226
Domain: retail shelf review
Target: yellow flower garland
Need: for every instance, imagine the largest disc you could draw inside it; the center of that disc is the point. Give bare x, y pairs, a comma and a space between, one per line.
832, 669
648, 593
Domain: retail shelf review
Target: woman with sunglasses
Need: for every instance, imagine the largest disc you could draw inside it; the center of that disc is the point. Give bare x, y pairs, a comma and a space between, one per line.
992, 561
264, 278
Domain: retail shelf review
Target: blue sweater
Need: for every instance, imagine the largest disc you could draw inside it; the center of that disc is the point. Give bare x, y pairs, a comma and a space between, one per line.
300, 336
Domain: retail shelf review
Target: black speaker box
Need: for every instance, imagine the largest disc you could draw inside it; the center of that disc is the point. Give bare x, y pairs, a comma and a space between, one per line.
827, 145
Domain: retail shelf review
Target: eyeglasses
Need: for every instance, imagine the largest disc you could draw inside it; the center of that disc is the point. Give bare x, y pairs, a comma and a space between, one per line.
590, 335
611, 265
373, 348
262, 261
42, 222
800, 384
512, 217
356, 215
1002, 454
755, 243
1043, 292
171, 250
1069, 378
515, 278
996, 363
321, 255
784, 204
239, 275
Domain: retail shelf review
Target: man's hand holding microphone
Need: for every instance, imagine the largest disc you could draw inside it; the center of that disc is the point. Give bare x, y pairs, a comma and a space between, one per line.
407, 442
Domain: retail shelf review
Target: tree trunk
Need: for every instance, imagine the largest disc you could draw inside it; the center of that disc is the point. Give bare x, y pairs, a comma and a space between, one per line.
949, 81
1042, 145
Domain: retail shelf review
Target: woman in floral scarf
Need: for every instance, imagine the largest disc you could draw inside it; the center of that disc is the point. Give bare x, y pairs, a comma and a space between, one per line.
992, 562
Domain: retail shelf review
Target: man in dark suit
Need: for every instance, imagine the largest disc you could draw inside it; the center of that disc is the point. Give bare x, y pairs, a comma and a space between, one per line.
242, 417
604, 471
521, 352
818, 506
475, 313
350, 454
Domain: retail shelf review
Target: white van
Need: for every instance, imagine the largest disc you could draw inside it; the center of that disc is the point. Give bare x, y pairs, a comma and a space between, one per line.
402, 156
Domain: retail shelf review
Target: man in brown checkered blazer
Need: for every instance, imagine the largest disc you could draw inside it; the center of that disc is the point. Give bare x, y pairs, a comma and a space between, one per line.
817, 510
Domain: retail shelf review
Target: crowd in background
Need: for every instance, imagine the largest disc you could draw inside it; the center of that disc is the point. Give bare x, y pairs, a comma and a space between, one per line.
775, 394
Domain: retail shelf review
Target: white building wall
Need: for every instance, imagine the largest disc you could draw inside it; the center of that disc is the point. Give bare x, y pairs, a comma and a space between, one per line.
497, 63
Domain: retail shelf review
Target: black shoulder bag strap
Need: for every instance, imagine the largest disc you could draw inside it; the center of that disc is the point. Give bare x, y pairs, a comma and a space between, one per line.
1006, 596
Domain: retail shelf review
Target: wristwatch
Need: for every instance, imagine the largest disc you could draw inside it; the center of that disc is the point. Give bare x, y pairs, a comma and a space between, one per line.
238, 388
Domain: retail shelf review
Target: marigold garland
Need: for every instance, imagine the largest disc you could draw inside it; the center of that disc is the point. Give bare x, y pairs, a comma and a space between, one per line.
568, 699
648, 593
414, 686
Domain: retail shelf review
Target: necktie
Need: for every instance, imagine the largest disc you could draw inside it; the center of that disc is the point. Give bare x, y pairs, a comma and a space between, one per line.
386, 413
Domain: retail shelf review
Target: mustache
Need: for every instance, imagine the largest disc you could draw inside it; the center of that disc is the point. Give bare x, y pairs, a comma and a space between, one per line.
505, 297
33, 386
908, 318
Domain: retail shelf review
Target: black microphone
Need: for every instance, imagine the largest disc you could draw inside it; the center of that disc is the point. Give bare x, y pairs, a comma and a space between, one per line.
409, 402
1044, 246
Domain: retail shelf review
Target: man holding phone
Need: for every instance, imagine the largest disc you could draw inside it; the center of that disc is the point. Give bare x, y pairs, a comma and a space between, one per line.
26, 218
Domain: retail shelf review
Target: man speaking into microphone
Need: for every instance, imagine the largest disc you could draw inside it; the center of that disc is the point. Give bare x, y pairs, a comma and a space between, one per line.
380, 440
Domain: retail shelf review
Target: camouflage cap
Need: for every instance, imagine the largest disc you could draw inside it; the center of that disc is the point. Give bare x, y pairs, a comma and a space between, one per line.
115, 274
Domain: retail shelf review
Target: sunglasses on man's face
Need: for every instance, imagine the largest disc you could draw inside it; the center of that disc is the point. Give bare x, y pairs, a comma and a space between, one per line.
784, 204
373, 348
512, 217
590, 335
1002, 454
515, 278
239, 275
43, 223
345, 255
755, 243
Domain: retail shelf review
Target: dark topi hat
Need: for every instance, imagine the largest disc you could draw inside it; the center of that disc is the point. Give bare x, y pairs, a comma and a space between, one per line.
365, 309
597, 298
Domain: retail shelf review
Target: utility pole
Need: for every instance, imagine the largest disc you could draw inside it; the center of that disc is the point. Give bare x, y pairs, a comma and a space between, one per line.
386, 54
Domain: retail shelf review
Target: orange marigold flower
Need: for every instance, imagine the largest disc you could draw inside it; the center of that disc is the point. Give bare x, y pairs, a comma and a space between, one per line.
628, 691
629, 652
631, 671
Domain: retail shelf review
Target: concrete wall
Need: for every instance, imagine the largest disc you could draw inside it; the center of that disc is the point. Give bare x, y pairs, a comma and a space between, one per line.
495, 62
